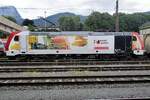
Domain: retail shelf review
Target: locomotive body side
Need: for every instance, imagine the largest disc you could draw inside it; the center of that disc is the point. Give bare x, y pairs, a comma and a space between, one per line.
44, 44
123, 45
72, 43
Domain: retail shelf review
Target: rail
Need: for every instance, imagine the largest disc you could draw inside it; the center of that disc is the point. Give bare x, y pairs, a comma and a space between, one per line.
69, 62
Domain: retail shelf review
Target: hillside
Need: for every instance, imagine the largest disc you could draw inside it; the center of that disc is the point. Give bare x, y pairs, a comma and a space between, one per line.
11, 11
54, 19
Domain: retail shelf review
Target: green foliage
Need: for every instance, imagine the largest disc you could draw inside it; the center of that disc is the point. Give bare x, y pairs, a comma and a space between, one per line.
10, 18
70, 23
29, 23
132, 22
97, 21
31, 27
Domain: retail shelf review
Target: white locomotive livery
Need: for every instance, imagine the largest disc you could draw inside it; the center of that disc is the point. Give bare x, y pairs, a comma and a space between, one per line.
99, 43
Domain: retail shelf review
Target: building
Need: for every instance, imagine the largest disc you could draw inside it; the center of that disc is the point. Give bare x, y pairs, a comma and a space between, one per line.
145, 28
9, 26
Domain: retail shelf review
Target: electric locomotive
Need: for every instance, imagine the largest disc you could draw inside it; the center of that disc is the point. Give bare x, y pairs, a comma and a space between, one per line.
74, 43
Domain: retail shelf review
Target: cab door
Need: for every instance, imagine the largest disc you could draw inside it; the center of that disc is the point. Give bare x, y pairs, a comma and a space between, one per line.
23, 44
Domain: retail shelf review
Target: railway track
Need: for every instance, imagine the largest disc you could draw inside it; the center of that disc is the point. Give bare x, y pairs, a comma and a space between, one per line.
142, 98
75, 68
70, 62
109, 74
55, 76
75, 80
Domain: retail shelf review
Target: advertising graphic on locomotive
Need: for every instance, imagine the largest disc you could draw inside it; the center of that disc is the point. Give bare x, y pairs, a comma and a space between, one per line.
99, 43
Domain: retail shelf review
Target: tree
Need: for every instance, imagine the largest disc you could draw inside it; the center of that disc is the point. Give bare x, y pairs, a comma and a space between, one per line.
70, 23
29, 23
135, 21
10, 18
132, 22
99, 21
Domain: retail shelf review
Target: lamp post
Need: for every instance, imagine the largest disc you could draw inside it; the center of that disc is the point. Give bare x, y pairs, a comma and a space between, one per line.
45, 18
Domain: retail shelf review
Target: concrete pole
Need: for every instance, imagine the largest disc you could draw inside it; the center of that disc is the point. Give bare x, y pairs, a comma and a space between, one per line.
45, 18
117, 17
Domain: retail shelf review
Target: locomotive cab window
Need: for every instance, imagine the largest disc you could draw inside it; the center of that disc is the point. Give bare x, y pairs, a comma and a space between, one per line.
134, 38
16, 38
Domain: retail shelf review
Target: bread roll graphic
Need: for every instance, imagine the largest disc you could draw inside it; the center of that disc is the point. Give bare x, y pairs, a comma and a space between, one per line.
80, 41
60, 42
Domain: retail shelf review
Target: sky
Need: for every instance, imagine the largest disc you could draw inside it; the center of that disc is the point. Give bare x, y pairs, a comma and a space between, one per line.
34, 8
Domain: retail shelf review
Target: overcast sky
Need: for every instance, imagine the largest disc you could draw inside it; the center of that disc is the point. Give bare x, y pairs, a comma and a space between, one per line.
83, 7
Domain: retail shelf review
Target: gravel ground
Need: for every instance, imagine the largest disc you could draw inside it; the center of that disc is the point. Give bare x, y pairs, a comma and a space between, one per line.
74, 73
75, 92
70, 66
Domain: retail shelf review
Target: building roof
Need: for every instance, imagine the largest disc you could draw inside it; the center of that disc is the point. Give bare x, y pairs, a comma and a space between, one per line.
145, 26
9, 23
